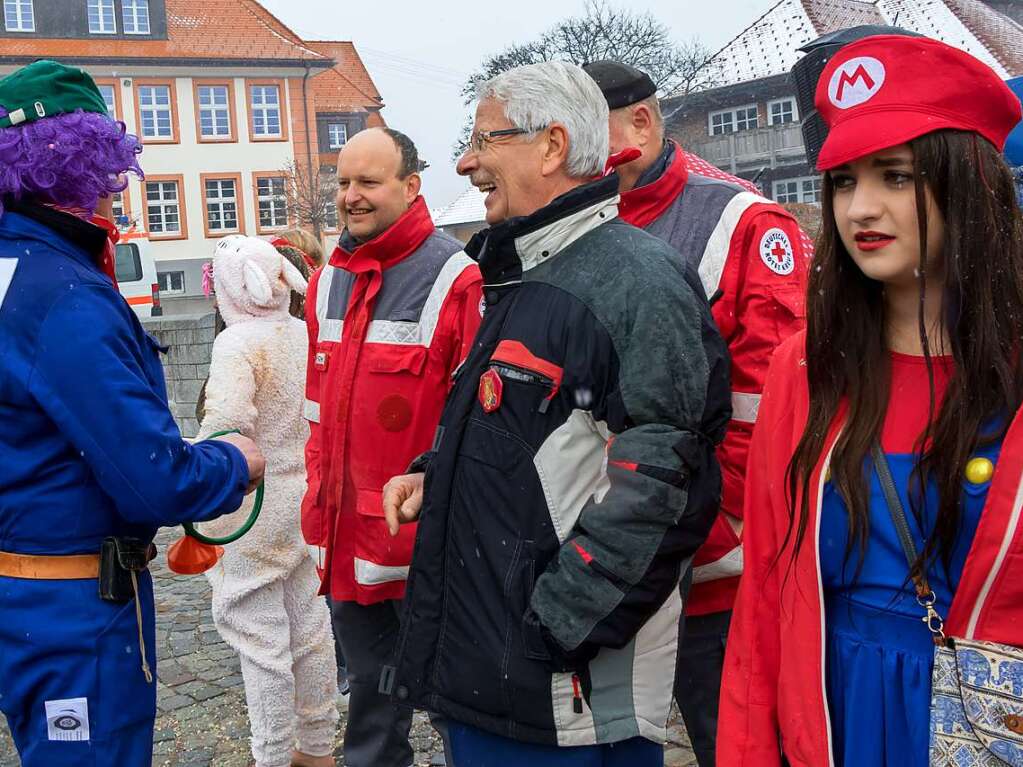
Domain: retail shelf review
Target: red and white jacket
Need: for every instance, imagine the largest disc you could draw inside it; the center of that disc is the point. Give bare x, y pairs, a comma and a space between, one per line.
388, 324
773, 686
752, 257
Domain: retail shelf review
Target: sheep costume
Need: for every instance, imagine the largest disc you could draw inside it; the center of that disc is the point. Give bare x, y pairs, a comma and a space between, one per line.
265, 603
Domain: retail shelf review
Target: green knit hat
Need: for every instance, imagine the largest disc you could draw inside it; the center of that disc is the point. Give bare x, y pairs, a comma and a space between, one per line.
47, 88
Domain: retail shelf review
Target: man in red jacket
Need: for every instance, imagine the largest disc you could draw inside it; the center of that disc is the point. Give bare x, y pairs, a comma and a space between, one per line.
752, 259
390, 317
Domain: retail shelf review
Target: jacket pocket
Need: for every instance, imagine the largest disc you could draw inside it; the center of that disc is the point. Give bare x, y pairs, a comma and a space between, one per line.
514, 362
791, 298
394, 384
379, 558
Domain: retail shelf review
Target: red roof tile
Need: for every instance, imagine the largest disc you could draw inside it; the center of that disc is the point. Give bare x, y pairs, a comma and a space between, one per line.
349, 64
196, 29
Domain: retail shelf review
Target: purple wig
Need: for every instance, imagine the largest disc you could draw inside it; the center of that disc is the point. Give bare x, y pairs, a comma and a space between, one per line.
70, 160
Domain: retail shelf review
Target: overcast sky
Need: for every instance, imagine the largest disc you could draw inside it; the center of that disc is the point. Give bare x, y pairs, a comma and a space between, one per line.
420, 53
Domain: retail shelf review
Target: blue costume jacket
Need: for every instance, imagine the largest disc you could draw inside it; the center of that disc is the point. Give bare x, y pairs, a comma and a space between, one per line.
88, 449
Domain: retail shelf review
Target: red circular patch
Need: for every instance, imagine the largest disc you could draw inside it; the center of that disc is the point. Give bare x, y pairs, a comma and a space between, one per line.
394, 413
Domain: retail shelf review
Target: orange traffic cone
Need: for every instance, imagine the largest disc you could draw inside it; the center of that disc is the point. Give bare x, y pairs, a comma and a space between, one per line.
187, 556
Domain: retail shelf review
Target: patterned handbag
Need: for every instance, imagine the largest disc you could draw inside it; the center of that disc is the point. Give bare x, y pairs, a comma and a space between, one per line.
976, 687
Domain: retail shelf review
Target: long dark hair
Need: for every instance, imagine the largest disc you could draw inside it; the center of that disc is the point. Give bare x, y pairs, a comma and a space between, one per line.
847, 356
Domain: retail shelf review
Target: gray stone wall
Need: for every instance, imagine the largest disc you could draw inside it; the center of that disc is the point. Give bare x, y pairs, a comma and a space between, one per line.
186, 364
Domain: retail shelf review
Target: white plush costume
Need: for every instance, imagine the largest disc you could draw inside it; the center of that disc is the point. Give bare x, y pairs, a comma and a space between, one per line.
264, 589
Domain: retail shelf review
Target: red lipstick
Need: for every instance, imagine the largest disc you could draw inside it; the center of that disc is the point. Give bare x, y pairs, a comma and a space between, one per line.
869, 241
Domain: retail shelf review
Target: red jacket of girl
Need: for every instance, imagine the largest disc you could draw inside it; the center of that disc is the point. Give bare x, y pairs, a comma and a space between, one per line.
773, 695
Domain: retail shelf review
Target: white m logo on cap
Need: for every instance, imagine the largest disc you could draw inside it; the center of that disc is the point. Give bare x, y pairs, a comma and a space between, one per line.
856, 82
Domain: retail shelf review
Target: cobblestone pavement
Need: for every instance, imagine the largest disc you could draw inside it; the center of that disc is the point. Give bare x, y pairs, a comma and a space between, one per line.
201, 716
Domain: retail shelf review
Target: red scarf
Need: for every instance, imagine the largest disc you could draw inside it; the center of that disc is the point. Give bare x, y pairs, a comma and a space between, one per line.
645, 204
106, 259
367, 262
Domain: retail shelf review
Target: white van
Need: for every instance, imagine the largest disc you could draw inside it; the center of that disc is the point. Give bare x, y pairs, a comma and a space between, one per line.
135, 271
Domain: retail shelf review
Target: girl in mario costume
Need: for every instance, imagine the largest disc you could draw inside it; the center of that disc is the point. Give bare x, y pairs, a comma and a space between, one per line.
911, 356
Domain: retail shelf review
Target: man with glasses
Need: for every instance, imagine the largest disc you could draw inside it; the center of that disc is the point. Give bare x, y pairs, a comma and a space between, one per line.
572, 477
390, 317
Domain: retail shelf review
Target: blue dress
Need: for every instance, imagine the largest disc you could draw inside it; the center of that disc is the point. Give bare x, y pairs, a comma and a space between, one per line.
879, 653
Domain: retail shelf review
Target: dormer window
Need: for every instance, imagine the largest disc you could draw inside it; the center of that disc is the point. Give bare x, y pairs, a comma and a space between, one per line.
18, 16
136, 16
101, 17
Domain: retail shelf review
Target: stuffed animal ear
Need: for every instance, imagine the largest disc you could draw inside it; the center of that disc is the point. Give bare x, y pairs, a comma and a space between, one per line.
293, 277
256, 284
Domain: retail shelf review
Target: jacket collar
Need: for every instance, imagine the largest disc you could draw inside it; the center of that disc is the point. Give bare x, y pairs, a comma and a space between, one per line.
388, 248
514, 246
658, 187
71, 235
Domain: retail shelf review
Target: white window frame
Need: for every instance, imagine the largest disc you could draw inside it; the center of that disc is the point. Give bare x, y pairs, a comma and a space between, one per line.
275, 204
112, 104
105, 17
745, 110
331, 220
218, 202
770, 111
168, 278
162, 203
156, 108
732, 114
331, 142
721, 113
117, 207
139, 21
215, 109
19, 16
261, 109
801, 194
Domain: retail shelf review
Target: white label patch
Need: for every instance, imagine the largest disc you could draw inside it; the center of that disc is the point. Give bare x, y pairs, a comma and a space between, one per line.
483, 306
776, 251
7, 267
67, 719
856, 82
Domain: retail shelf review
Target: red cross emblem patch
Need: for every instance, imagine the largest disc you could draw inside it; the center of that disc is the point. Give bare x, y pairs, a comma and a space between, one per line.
776, 251
491, 387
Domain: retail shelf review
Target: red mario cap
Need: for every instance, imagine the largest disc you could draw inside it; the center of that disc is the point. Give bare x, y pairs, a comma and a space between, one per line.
885, 90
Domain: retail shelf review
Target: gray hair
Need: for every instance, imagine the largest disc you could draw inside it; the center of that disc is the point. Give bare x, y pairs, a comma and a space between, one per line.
536, 95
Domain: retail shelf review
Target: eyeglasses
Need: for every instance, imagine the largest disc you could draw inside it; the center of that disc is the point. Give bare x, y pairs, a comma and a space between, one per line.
480, 139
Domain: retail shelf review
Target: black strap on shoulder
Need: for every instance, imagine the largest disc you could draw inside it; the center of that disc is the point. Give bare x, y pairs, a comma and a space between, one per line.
894, 504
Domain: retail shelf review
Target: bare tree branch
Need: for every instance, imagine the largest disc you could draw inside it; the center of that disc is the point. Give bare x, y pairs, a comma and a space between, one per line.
605, 31
310, 200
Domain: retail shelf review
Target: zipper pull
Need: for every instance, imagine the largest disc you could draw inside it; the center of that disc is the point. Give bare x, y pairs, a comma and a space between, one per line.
544, 404
577, 698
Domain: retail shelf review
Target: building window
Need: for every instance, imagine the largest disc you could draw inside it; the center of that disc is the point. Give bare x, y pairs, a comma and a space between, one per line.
156, 114
330, 215
101, 17
214, 111
271, 202
171, 283
721, 123
806, 190
731, 120
781, 111
119, 211
337, 134
109, 98
265, 106
163, 208
746, 118
221, 206
811, 190
18, 16
136, 16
